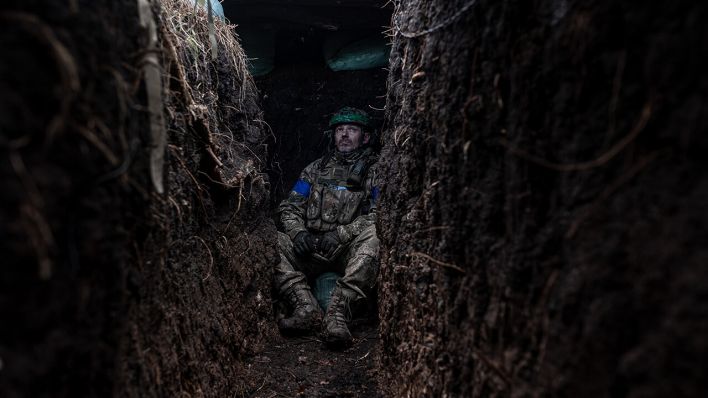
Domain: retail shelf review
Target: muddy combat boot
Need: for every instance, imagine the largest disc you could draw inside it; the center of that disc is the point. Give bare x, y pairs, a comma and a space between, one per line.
336, 333
306, 315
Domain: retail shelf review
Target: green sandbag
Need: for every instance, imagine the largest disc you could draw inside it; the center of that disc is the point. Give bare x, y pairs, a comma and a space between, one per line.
347, 52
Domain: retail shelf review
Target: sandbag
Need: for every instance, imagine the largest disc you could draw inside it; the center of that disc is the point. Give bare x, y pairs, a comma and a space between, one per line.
346, 51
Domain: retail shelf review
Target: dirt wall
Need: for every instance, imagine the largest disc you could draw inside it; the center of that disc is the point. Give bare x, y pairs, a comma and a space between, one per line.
545, 200
108, 287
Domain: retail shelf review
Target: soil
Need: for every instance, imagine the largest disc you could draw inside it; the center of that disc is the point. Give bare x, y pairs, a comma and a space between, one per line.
543, 208
67, 204
108, 287
544, 211
304, 367
202, 280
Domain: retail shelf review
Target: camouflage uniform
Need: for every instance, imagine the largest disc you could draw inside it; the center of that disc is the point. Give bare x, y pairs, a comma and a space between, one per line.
332, 194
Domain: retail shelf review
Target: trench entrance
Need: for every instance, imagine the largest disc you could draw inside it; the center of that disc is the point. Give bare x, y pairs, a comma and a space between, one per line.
308, 61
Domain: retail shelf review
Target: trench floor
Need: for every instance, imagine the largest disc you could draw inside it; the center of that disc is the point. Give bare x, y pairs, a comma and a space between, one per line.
304, 367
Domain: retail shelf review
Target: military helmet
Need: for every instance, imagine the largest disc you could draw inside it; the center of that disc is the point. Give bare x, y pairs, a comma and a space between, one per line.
350, 115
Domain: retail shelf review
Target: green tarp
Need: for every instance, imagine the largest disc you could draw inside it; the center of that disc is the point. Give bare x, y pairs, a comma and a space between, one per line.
347, 51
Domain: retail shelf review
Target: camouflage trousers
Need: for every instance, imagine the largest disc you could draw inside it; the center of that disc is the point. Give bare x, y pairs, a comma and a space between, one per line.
357, 261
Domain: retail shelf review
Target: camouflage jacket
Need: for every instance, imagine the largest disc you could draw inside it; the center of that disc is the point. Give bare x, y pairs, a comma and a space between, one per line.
333, 192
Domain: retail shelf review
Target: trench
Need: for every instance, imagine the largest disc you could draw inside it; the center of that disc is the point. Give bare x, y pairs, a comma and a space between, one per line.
298, 95
542, 214
164, 251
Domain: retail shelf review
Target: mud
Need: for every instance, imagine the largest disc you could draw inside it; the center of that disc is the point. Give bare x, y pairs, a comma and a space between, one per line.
303, 367
109, 288
544, 207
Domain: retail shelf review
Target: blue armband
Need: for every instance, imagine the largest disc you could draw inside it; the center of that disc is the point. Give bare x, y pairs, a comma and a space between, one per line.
374, 193
302, 187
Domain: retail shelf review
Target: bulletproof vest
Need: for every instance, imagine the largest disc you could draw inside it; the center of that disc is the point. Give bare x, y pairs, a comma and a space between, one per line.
338, 194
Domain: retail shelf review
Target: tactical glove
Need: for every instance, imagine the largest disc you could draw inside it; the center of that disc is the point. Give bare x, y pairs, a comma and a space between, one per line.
330, 242
303, 243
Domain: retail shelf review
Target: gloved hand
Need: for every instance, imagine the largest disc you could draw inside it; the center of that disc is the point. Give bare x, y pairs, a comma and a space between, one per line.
329, 243
303, 243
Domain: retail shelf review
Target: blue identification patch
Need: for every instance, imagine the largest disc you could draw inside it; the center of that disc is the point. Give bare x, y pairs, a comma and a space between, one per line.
374, 193
302, 187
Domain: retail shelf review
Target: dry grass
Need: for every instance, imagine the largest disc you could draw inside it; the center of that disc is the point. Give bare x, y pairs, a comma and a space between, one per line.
200, 78
187, 27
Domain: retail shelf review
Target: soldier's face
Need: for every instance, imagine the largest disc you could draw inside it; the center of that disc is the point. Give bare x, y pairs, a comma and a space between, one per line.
348, 137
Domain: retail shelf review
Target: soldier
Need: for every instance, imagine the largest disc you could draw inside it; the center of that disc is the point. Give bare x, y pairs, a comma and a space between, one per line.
328, 222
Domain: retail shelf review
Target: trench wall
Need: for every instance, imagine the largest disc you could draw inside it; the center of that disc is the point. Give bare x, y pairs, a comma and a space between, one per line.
106, 286
545, 200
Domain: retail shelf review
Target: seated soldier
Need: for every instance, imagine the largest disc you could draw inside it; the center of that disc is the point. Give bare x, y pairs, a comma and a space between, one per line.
329, 224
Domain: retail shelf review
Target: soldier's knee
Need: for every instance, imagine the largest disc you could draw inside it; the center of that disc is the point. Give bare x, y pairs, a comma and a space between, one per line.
362, 271
285, 248
368, 236
370, 242
370, 249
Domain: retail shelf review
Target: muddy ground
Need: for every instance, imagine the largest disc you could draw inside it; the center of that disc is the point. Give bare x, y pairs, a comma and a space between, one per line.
303, 367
